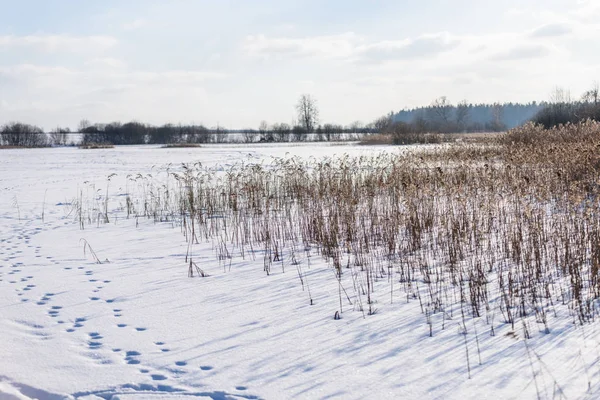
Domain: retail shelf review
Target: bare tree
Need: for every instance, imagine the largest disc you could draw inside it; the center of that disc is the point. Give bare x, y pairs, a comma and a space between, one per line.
249, 135
331, 132
220, 134
308, 113
299, 133
560, 96
592, 95
265, 134
281, 131
59, 136
497, 122
356, 126
440, 113
462, 115
83, 125
22, 135
383, 124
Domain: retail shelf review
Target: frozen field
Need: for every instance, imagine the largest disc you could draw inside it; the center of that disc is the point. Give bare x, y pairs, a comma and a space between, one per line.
136, 326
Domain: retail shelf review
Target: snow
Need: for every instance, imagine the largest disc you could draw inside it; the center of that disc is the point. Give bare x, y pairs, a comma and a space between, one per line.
136, 326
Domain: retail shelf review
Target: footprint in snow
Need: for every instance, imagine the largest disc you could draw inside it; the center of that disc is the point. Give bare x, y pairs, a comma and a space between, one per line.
140, 329
158, 377
206, 367
94, 342
121, 325
93, 345
164, 350
131, 357
180, 363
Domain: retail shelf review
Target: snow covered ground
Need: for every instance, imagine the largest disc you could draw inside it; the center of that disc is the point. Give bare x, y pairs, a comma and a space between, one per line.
135, 325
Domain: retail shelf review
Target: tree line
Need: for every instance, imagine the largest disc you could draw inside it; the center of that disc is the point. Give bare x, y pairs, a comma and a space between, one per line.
307, 127
563, 109
441, 116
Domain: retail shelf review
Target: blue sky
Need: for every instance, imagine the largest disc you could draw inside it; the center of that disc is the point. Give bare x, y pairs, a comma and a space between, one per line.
236, 63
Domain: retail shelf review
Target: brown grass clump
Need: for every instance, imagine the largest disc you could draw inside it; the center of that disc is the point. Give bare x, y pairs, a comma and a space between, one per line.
376, 140
93, 146
180, 145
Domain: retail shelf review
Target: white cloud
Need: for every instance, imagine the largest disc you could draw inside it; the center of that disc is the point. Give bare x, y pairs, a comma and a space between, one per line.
349, 46
135, 24
335, 46
551, 30
420, 47
523, 52
106, 62
102, 94
25, 73
55, 43
587, 11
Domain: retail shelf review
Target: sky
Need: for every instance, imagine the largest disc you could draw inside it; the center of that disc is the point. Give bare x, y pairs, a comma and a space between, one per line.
236, 63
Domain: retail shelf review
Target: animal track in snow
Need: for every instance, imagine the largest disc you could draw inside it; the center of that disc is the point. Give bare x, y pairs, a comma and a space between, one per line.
131, 357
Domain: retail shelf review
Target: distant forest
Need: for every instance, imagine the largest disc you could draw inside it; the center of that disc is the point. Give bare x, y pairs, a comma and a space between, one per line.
441, 116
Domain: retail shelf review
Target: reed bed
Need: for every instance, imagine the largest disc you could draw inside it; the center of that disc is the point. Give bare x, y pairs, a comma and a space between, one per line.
95, 146
506, 231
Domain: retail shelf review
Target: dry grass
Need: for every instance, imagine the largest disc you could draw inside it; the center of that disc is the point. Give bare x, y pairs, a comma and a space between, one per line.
93, 146
428, 138
506, 231
376, 140
180, 145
